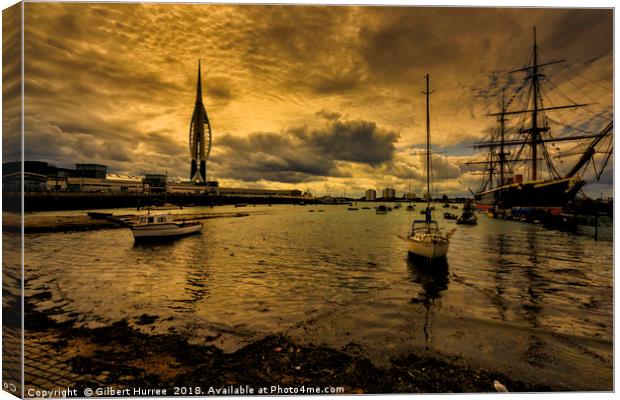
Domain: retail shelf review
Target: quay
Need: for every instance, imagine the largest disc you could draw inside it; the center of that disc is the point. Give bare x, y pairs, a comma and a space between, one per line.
58, 201
37, 223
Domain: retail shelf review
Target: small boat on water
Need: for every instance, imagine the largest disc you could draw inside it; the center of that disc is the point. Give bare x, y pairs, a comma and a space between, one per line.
352, 208
469, 216
448, 215
410, 207
365, 208
159, 226
455, 207
99, 215
381, 209
396, 207
426, 239
241, 205
446, 205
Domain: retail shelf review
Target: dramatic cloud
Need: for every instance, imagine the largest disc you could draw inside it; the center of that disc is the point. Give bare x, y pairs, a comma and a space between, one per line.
301, 154
327, 96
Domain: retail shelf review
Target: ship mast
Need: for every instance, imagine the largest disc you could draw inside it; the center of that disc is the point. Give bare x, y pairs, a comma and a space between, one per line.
534, 130
428, 154
535, 138
502, 155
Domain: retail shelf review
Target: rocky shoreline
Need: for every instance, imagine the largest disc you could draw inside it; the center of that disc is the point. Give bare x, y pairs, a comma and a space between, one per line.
123, 357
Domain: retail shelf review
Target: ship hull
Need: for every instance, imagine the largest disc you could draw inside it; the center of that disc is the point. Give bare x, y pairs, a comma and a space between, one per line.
549, 196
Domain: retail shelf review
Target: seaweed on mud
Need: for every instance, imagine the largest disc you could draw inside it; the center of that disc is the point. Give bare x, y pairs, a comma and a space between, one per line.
122, 356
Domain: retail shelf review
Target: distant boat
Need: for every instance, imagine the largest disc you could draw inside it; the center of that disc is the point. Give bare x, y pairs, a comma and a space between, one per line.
241, 205
455, 207
426, 239
99, 215
365, 208
446, 205
469, 216
352, 208
381, 209
396, 206
448, 215
410, 207
158, 226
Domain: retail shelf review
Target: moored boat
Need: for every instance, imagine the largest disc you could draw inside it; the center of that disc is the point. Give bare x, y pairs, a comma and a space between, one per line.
448, 215
99, 215
159, 226
551, 185
469, 216
426, 240
381, 209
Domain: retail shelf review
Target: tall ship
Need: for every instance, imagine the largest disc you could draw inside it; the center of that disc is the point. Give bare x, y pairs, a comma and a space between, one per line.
521, 172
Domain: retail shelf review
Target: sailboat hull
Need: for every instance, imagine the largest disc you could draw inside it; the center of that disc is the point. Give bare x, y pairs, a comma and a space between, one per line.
429, 248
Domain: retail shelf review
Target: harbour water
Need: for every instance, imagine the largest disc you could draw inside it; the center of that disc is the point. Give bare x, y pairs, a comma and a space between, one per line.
533, 303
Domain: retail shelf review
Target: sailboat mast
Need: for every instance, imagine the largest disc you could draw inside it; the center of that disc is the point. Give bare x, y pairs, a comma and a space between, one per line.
428, 151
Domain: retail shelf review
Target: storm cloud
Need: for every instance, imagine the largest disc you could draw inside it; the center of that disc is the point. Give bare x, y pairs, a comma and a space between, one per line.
303, 154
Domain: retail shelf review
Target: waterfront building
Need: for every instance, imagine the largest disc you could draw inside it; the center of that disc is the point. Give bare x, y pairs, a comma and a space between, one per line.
389, 194
12, 182
409, 196
200, 138
371, 195
39, 176
156, 182
112, 184
91, 171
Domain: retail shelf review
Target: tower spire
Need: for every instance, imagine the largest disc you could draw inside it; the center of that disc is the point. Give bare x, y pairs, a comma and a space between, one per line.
199, 86
199, 137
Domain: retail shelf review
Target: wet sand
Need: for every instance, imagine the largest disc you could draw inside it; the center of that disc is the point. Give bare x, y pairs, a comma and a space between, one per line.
124, 357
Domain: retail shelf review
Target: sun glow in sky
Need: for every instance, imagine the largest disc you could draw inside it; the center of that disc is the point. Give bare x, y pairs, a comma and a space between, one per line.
310, 97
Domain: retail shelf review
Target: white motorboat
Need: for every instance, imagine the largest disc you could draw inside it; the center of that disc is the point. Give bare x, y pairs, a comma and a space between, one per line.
158, 226
426, 239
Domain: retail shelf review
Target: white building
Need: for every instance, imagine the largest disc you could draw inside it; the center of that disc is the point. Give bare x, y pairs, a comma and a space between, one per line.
389, 194
371, 195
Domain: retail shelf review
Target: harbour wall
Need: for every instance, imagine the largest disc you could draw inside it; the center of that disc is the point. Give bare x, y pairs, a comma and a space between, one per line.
57, 201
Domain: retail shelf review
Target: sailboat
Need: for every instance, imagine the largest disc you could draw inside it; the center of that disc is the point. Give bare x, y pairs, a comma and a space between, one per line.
504, 189
426, 239
410, 206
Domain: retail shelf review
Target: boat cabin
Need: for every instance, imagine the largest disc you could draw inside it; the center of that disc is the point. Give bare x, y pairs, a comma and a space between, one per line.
421, 227
154, 219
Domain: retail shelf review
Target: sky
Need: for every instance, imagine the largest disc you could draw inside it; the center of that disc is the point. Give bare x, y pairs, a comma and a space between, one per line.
321, 98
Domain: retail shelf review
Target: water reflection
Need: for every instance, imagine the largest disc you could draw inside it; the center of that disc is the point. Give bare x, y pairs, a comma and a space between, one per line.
501, 267
432, 280
244, 277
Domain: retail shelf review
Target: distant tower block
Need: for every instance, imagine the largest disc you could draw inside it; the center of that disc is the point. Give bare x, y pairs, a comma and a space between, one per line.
199, 138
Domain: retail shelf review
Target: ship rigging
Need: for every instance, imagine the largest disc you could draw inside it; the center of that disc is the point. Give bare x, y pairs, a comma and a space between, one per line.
529, 144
